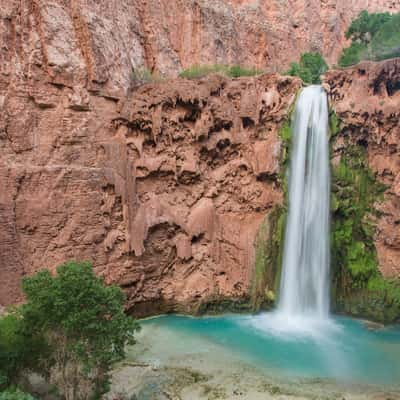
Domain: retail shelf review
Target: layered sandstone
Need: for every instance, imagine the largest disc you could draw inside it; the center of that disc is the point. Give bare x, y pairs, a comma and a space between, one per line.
366, 98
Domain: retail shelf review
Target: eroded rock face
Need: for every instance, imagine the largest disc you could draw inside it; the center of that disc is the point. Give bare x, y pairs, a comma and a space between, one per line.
366, 98
164, 191
194, 187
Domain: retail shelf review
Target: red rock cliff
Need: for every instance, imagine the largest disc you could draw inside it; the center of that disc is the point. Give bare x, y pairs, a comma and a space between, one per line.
97, 43
164, 188
163, 191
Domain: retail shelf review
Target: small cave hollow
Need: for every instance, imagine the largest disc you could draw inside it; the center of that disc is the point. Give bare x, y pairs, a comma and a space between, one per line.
247, 122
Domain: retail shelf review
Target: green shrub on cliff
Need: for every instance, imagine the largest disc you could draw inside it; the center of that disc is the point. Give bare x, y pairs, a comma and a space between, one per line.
309, 69
386, 42
366, 25
231, 71
360, 288
352, 55
374, 36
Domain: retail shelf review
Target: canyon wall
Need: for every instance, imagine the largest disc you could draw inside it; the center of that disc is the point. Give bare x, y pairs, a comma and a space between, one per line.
164, 187
96, 44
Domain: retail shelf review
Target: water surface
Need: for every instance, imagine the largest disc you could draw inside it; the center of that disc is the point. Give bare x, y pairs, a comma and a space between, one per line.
342, 349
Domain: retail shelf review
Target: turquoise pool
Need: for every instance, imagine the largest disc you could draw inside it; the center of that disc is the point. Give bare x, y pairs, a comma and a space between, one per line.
338, 348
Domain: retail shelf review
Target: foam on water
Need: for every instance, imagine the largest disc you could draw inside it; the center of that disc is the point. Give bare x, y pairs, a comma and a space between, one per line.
295, 327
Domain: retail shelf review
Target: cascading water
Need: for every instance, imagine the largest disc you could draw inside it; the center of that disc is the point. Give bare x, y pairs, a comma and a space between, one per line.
305, 271
303, 307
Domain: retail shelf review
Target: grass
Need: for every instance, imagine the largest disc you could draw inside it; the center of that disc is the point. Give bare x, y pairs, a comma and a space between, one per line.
141, 76
231, 71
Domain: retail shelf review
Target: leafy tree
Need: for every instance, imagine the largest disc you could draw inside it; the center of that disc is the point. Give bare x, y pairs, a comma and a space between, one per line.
386, 42
309, 69
374, 37
84, 325
367, 25
18, 351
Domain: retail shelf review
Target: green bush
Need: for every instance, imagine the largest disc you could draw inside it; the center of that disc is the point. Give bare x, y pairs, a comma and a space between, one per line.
15, 394
236, 71
374, 37
309, 69
359, 286
19, 350
83, 324
386, 43
353, 54
233, 71
366, 25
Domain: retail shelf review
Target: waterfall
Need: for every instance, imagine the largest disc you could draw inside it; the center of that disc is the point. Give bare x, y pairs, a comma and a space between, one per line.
304, 287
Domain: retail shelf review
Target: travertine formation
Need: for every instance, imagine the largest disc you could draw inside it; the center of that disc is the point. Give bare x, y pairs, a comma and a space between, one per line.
163, 187
164, 192
366, 98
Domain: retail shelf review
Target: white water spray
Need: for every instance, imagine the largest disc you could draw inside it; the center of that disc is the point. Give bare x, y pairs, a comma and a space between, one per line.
305, 271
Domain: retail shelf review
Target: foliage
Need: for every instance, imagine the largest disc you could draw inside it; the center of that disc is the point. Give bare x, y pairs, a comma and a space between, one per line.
353, 54
231, 71
356, 190
334, 123
386, 43
18, 351
285, 133
309, 69
360, 288
140, 76
10, 349
15, 394
236, 71
366, 24
83, 323
269, 248
374, 36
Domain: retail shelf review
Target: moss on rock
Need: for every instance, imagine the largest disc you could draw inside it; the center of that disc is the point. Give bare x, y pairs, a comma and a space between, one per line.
270, 238
268, 260
358, 287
